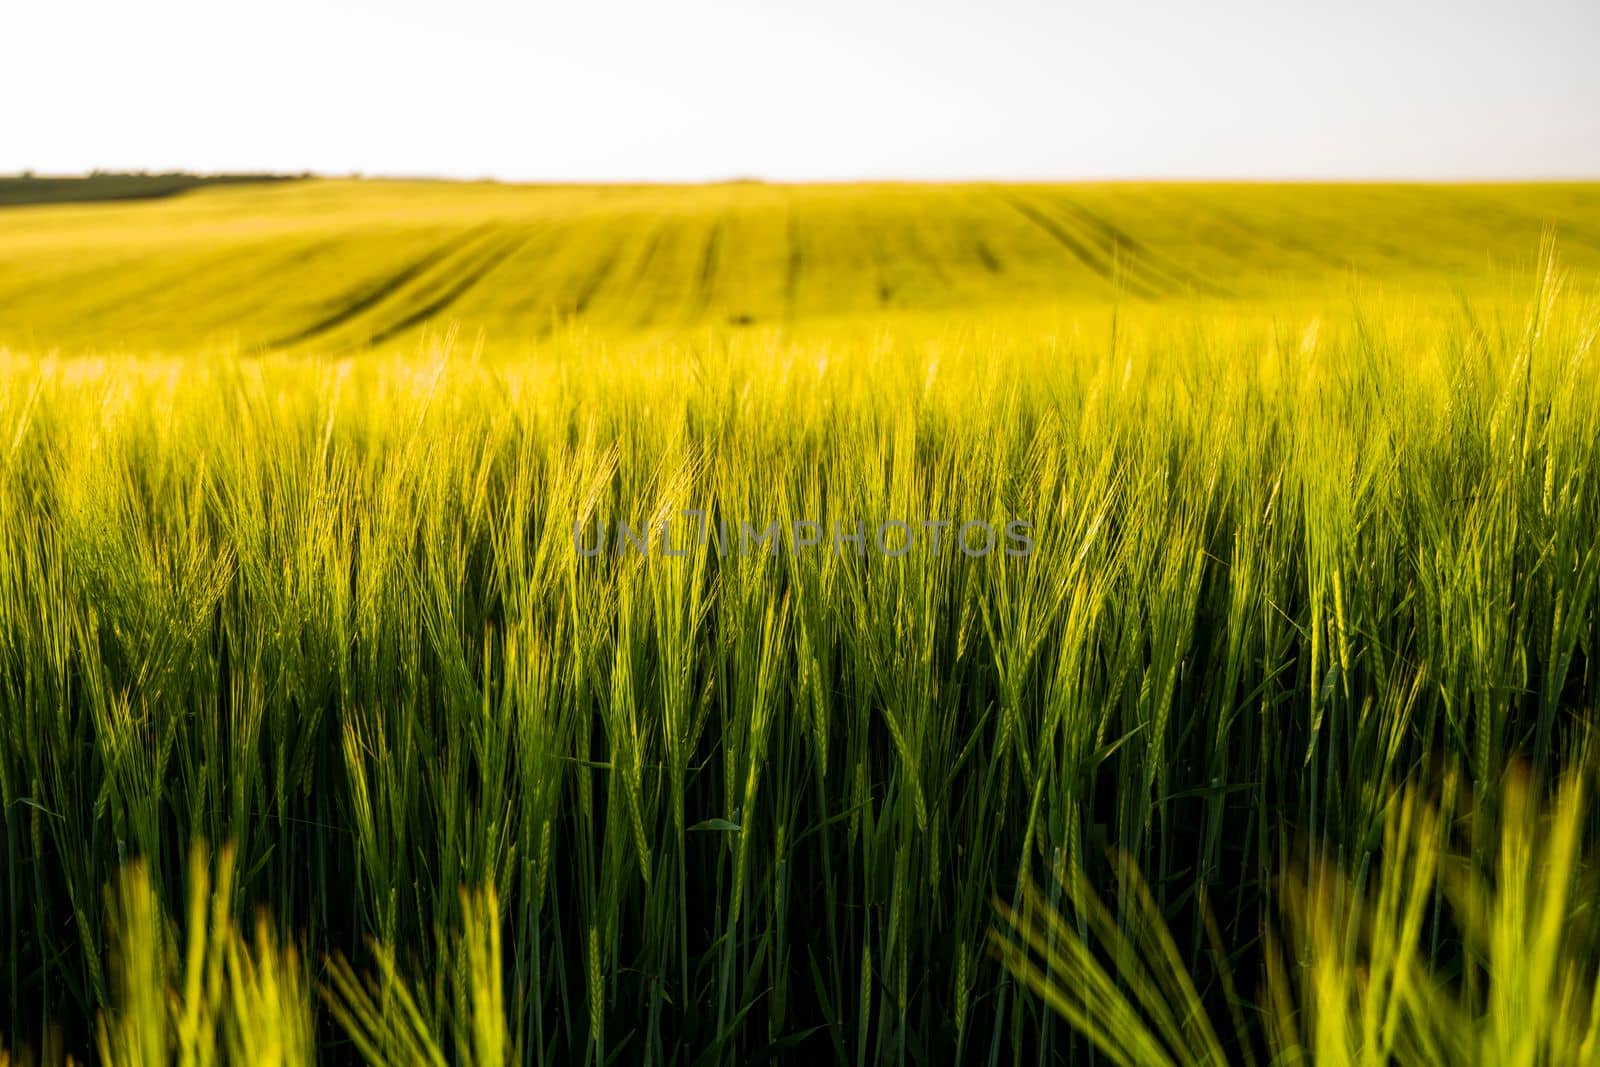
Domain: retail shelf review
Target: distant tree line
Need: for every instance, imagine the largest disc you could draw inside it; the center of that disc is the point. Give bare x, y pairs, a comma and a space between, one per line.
29, 188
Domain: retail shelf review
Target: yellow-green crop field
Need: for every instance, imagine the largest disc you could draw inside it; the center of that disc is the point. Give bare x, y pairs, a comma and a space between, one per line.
1008, 624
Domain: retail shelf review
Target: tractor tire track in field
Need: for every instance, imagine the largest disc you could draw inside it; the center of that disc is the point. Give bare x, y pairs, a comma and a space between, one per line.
652, 249
1488, 212
596, 277
793, 265
926, 256
534, 300
157, 281
363, 299
986, 256
877, 248
300, 258
1334, 256
1278, 239
481, 266
1156, 271
85, 280
549, 301
260, 267
639, 277
1082, 252
1132, 262
705, 288
1564, 230
977, 232
880, 271
72, 279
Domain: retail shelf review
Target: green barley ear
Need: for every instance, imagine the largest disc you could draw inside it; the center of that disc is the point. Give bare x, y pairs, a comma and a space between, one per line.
597, 1012
383, 1016
1351, 978
220, 999
483, 1037
136, 1032
1128, 994
268, 1018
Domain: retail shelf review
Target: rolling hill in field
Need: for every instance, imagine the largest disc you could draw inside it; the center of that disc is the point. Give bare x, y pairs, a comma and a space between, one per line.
334, 266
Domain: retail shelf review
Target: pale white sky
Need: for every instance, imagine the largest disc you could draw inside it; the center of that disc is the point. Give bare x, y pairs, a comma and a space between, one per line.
704, 89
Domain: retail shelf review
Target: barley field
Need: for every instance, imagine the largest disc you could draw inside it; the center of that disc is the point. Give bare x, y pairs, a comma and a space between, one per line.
455, 623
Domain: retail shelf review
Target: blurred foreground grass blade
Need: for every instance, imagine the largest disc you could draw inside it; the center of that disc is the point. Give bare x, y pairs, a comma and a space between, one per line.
1352, 978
